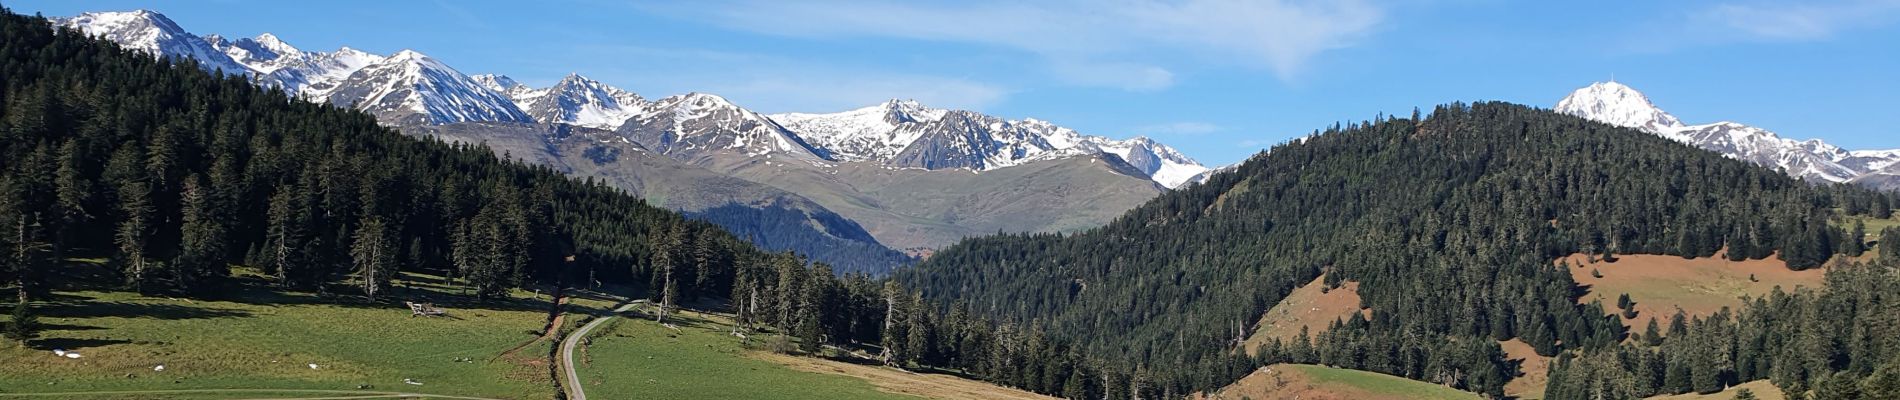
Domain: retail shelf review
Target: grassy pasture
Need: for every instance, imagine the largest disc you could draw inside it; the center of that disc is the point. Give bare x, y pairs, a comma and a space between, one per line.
636, 358
1313, 382
250, 336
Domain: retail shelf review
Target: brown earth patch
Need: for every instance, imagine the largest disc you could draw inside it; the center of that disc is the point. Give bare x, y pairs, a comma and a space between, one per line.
1535, 369
1307, 307
1298, 381
892, 380
1659, 284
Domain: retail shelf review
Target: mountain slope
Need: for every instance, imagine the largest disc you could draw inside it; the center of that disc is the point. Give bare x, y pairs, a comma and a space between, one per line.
770, 218
1617, 104
152, 33
1449, 226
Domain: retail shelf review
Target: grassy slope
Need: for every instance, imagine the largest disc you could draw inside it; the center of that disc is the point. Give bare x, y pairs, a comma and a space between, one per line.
637, 358
1288, 381
261, 338
1763, 390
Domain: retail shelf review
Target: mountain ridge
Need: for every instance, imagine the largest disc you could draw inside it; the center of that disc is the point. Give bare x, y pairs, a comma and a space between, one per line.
1813, 159
408, 88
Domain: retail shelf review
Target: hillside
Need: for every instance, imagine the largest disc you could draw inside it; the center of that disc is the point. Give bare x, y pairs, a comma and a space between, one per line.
1449, 225
771, 218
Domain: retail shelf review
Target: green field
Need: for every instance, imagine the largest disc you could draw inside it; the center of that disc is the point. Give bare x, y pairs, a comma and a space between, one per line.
636, 358
254, 337
1378, 384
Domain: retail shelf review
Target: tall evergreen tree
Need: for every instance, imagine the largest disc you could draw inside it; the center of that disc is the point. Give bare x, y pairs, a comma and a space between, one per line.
201, 249
374, 254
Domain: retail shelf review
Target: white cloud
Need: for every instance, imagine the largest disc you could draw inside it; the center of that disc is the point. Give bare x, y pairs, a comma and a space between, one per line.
1112, 43
771, 84
823, 92
1798, 21
1178, 129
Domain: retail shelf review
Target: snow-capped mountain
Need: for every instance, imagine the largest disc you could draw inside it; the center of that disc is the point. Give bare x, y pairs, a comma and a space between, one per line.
153, 33
319, 73
575, 100
696, 124
1618, 104
903, 133
410, 87
263, 54
274, 62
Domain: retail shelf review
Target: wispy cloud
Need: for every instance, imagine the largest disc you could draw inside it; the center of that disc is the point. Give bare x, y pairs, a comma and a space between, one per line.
1798, 21
1114, 43
1756, 21
771, 83
1178, 129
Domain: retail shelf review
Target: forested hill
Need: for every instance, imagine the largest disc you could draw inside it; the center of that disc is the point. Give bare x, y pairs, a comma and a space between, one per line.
173, 173
1450, 224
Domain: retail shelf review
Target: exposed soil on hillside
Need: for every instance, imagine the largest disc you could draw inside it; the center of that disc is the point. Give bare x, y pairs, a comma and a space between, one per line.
1659, 284
1535, 369
1308, 307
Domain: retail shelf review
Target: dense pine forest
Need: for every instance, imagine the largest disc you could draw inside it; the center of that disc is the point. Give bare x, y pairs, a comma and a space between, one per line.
1450, 224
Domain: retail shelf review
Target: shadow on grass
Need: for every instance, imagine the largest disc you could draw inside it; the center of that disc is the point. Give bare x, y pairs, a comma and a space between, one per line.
260, 293
64, 327
74, 343
95, 309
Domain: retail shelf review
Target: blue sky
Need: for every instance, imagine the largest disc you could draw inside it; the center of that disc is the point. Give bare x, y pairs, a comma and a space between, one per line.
1218, 79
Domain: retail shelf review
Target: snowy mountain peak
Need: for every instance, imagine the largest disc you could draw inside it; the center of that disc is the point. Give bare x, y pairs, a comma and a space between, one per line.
263, 54
411, 87
153, 33
1617, 104
271, 42
695, 124
497, 82
575, 100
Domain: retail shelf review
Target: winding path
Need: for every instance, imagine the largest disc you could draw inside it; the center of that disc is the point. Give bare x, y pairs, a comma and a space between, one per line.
574, 389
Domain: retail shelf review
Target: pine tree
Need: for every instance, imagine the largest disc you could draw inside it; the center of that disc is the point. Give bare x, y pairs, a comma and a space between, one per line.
201, 249
1855, 242
73, 191
24, 325
919, 340
23, 238
892, 335
664, 248
135, 227
374, 254
287, 236
1890, 244
1652, 336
